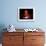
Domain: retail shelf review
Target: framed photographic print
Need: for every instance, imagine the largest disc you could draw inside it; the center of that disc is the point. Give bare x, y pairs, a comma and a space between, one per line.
26, 14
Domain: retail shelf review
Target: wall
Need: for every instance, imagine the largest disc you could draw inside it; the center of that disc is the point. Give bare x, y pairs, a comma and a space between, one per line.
8, 13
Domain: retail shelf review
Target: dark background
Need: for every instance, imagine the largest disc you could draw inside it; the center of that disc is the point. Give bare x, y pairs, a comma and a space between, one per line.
21, 13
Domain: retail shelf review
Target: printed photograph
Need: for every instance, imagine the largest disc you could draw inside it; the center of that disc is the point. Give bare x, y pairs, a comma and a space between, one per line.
26, 14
